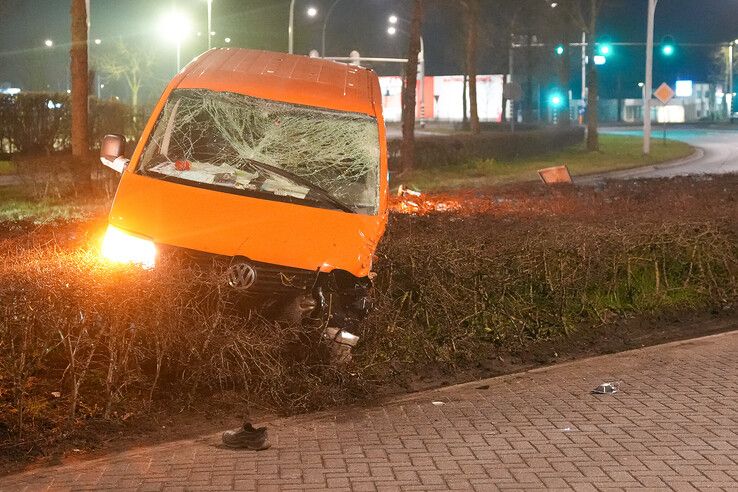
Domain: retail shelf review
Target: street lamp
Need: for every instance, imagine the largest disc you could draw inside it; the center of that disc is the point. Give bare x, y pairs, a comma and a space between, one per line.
98, 41
175, 26
311, 12
648, 86
49, 43
325, 25
210, 23
392, 30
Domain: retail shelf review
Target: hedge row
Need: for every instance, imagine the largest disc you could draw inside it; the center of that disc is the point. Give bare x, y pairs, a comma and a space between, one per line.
432, 151
36, 123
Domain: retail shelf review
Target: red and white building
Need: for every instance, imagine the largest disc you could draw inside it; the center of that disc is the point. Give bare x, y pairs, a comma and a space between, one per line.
443, 98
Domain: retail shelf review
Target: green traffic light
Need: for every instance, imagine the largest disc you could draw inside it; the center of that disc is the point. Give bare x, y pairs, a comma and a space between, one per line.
605, 49
556, 100
560, 49
667, 50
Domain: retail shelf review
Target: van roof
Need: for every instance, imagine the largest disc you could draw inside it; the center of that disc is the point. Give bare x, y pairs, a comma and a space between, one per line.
282, 77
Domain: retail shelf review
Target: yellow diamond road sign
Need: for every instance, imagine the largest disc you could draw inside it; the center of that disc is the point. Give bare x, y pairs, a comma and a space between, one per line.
664, 93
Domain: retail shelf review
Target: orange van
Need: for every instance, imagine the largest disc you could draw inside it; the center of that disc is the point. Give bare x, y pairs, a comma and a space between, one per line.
275, 164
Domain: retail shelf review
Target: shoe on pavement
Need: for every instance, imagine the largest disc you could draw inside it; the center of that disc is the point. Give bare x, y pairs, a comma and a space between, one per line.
247, 437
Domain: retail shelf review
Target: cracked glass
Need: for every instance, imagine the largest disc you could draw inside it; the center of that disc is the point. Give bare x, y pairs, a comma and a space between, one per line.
267, 149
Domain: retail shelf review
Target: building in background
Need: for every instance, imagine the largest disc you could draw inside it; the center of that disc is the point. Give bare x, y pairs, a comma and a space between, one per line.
443, 98
694, 102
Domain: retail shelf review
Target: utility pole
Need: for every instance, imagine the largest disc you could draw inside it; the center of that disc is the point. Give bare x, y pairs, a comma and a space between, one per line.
731, 53
511, 101
584, 67
648, 86
291, 29
210, 24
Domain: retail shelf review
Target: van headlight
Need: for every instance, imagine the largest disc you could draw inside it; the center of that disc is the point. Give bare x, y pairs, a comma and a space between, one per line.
119, 246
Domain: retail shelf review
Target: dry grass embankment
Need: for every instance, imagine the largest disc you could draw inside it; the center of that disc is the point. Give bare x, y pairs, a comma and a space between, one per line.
87, 349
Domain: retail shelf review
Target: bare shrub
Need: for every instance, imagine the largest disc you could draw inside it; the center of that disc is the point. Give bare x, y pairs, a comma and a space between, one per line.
81, 340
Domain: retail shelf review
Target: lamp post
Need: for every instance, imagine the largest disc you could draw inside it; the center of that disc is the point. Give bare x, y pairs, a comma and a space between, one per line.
325, 25
175, 26
731, 59
311, 12
392, 30
648, 85
210, 24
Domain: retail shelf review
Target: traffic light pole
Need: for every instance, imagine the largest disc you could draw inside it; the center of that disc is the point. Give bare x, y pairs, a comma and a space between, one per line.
648, 86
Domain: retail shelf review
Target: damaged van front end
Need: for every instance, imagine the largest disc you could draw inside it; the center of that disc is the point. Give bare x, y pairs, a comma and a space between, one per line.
274, 165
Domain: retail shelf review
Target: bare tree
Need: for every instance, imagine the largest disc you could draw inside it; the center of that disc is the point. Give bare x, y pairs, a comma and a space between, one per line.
132, 64
80, 89
409, 89
584, 13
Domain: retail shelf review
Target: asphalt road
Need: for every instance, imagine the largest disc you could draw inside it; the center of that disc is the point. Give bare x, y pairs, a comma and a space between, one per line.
718, 152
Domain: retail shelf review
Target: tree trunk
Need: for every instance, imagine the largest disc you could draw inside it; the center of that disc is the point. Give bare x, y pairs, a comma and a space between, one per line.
472, 26
80, 89
464, 108
409, 86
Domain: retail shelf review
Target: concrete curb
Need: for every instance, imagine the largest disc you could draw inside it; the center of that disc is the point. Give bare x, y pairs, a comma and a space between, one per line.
636, 172
547, 368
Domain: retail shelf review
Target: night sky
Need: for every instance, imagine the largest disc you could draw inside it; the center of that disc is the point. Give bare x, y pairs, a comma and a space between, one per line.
355, 24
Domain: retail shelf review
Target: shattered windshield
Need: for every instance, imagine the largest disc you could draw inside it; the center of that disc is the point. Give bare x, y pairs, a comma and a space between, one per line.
241, 144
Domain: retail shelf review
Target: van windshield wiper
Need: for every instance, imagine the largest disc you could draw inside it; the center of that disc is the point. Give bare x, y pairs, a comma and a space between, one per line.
316, 190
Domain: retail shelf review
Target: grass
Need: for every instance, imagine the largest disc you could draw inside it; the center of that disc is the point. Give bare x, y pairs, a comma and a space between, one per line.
6, 167
616, 152
16, 205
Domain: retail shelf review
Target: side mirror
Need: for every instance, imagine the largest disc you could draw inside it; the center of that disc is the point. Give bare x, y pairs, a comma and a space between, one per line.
112, 149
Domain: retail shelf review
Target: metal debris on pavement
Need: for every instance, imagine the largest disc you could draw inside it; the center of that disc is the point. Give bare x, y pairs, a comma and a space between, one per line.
607, 388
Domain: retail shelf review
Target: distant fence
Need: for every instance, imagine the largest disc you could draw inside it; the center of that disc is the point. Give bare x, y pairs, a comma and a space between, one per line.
40, 122
433, 151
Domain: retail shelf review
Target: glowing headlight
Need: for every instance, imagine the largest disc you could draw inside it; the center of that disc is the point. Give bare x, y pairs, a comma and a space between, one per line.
121, 247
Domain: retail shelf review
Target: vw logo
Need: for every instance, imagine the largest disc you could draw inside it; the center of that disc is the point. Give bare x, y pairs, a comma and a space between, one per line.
241, 276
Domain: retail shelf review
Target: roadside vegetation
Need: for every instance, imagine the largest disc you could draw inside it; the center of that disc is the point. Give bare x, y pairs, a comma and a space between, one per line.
616, 153
88, 350
6, 167
17, 204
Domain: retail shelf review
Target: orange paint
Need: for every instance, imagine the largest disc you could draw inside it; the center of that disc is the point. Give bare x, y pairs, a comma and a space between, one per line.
263, 230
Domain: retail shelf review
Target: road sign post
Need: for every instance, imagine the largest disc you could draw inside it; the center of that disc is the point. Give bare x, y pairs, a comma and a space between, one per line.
664, 94
513, 92
649, 78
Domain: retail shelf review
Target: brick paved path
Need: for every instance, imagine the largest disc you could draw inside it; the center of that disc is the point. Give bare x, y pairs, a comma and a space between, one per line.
674, 425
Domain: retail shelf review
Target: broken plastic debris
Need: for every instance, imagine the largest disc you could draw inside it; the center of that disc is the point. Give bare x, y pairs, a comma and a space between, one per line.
402, 190
56, 394
341, 343
438, 403
607, 388
416, 203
